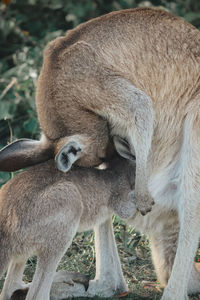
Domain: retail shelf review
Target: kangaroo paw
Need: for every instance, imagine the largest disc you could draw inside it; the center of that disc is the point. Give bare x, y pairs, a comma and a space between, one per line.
143, 203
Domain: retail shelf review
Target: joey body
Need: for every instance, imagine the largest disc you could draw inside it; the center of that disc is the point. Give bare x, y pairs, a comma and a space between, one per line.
40, 211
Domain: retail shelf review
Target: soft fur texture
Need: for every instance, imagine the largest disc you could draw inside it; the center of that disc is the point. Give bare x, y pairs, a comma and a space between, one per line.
40, 211
84, 82
43, 197
140, 70
154, 53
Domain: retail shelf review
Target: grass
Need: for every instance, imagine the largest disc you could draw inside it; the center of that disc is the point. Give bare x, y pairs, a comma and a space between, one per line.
135, 255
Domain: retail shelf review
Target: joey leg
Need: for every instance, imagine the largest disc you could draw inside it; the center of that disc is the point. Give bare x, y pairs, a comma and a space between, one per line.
13, 279
109, 279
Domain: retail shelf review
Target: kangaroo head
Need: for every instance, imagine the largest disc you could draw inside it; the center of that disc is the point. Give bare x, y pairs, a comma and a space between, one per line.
83, 150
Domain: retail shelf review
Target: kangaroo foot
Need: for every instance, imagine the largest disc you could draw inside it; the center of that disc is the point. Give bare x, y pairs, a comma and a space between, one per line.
71, 278
67, 284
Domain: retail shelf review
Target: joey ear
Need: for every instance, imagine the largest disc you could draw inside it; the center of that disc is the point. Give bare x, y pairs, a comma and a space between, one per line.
123, 147
24, 153
67, 155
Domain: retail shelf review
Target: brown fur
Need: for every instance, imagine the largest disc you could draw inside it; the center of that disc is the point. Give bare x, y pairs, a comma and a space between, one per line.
85, 73
40, 211
140, 70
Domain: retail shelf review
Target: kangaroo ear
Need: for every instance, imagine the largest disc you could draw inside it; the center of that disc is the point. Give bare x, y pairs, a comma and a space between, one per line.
67, 155
24, 153
123, 147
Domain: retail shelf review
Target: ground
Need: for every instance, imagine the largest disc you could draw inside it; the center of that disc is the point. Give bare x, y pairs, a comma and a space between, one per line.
135, 255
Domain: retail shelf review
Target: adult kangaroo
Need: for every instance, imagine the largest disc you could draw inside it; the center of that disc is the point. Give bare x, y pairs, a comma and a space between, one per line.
87, 76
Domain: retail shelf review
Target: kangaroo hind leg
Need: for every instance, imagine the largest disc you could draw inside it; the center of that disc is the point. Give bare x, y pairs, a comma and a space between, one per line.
188, 200
109, 278
4, 261
163, 248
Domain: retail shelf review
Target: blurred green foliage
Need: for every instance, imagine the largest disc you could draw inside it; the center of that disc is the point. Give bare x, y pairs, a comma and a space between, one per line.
26, 26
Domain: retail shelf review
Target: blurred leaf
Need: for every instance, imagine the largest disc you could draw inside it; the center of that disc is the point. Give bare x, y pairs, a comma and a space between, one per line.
4, 110
30, 125
6, 2
192, 16
4, 176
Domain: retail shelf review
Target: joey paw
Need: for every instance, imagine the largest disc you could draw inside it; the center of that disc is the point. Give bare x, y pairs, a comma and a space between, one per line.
142, 203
